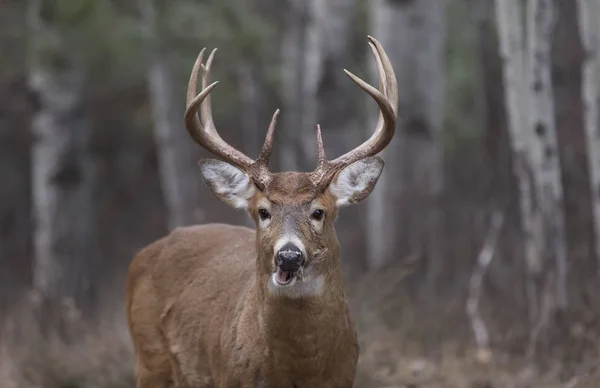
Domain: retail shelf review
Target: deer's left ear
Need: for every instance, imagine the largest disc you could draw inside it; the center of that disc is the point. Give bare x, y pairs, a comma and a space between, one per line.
356, 181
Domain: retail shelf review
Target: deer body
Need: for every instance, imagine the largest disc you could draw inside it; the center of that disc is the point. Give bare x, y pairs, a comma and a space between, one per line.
227, 306
248, 338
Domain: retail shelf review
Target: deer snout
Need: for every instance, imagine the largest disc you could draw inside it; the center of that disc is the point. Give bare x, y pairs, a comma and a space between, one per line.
290, 258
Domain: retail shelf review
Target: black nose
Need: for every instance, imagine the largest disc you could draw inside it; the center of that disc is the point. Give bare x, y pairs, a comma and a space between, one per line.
290, 258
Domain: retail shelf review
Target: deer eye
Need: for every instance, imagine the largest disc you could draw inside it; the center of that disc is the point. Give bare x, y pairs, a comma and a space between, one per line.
263, 214
318, 214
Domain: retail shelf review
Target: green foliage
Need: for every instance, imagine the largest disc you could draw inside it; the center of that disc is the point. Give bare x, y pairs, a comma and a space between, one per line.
112, 44
107, 36
462, 118
225, 23
239, 32
69, 14
91, 34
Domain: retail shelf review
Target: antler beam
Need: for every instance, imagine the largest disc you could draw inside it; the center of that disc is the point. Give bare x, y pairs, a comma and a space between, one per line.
204, 132
387, 100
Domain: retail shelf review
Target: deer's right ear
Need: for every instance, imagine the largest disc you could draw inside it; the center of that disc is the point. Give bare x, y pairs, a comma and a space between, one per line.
228, 183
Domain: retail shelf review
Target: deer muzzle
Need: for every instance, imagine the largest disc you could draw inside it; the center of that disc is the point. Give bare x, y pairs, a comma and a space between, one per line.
289, 260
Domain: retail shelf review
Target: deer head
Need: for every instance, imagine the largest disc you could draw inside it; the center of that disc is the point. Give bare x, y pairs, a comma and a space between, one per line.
294, 212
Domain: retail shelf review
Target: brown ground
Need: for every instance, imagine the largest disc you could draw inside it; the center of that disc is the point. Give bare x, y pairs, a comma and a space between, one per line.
398, 350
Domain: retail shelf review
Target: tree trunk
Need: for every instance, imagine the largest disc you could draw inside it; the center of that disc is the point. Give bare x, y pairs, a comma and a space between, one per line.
512, 47
413, 34
328, 100
293, 46
588, 11
250, 96
179, 176
493, 105
316, 91
544, 149
62, 168
567, 64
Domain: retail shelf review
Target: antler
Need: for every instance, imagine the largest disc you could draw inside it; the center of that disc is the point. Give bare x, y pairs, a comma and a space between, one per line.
387, 99
204, 132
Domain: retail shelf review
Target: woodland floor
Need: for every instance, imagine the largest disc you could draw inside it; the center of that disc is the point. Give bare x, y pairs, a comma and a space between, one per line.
397, 351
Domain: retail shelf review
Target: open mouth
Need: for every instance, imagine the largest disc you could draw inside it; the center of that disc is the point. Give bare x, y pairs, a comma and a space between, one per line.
284, 278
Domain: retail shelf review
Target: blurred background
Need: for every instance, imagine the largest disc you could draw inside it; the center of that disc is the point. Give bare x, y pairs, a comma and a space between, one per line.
475, 261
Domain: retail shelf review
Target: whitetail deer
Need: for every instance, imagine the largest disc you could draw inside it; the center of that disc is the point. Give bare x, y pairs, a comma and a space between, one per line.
226, 306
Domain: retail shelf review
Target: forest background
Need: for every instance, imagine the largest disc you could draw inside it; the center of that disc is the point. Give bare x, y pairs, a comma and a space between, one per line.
474, 263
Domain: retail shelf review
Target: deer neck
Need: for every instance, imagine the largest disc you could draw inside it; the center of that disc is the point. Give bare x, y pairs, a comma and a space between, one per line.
299, 331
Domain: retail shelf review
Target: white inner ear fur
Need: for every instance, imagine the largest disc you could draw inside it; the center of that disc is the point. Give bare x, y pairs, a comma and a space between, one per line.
356, 181
228, 183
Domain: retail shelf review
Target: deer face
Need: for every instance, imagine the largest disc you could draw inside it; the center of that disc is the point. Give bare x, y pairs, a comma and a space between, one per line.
294, 212
296, 238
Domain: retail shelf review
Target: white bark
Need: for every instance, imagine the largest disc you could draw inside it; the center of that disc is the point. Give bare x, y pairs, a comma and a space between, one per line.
414, 158
540, 19
512, 47
480, 331
532, 128
62, 169
179, 176
589, 29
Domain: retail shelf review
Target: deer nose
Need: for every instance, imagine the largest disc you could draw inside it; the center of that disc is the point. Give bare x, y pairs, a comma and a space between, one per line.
290, 258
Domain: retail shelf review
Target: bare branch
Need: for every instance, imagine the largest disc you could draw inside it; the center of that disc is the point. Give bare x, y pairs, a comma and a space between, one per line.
483, 261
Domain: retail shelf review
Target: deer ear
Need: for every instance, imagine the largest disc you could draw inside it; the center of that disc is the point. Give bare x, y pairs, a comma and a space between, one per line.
356, 181
228, 183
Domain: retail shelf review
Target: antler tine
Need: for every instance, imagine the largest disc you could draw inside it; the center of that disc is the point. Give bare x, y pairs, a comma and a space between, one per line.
385, 67
191, 90
265, 151
381, 76
386, 98
206, 106
205, 133
321, 158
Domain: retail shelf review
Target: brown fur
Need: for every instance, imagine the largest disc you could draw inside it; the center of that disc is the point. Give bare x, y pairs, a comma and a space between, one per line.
200, 314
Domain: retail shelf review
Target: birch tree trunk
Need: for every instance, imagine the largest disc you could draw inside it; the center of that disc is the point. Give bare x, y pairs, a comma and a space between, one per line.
178, 172
62, 168
413, 34
589, 28
540, 18
532, 128
512, 48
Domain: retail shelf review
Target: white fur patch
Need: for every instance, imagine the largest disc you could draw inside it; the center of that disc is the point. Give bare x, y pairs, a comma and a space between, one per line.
356, 181
228, 183
289, 239
313, 286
